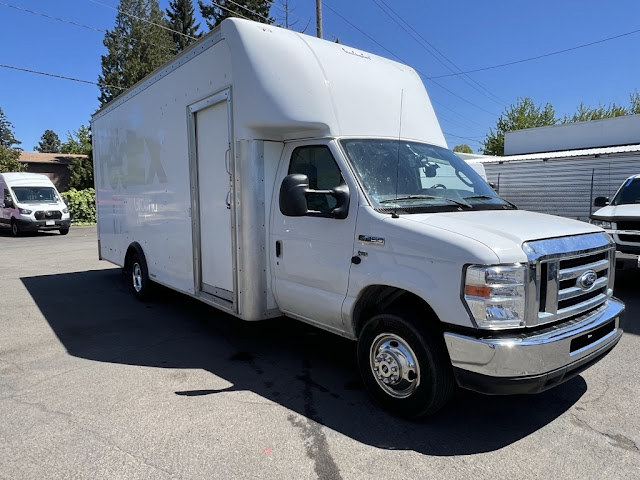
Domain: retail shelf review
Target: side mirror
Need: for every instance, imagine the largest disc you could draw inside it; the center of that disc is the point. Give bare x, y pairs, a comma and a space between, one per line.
341, 194
8, 203
293, 199
601, 202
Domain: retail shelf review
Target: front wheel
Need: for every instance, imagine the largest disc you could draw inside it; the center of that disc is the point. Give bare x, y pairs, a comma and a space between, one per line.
404, 365
64, 231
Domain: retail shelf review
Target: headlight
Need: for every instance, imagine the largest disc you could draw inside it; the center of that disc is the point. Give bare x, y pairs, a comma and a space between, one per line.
25, 211
65, 210
496, 295
600, 223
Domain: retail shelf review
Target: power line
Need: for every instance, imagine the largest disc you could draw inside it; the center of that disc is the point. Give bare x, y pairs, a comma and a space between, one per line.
148, 21
401, 60
60, 76
423, 42
246, 9
71, 22
463, 138
537, 57
58, 19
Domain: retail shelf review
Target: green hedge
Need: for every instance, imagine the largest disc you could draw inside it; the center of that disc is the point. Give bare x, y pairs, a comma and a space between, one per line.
82, 205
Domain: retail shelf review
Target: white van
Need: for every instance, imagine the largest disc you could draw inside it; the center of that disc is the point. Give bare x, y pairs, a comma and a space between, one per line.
266, 172
30, 202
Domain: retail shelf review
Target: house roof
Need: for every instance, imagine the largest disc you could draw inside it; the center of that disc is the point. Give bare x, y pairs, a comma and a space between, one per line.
37, 157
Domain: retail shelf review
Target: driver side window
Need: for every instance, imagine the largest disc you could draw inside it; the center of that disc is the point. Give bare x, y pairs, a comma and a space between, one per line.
318, 164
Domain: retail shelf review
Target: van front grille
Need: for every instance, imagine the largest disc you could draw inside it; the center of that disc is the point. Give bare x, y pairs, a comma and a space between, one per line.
573, 282
48, 215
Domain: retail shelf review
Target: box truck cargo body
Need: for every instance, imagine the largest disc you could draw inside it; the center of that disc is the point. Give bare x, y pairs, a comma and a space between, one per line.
266, 172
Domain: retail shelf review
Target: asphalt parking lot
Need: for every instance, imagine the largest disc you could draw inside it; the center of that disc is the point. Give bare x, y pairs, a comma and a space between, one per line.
94, 384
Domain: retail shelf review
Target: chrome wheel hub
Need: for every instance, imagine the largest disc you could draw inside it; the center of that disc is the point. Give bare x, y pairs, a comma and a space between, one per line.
136, 274
394, 365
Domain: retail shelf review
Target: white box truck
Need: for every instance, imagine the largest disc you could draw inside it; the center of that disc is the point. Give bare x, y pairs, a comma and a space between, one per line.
270, 173
31, 202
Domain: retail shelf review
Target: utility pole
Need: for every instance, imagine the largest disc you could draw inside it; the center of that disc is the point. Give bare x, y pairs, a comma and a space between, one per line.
319, 18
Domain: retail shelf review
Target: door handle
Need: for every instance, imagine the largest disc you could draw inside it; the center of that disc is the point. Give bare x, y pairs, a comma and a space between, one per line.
227, 161
278, 248
228, 200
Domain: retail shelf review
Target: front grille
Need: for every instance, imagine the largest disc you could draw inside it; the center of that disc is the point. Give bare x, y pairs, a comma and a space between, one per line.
48, 215
629, 238
628, 225
572, 282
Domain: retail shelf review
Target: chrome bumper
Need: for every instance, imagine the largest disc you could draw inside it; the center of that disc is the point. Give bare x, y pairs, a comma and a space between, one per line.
533, 362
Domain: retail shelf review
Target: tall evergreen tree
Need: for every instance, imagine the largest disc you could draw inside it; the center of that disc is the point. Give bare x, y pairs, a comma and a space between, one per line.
7, 139
138, 44
215, 12
49, 143
183, 22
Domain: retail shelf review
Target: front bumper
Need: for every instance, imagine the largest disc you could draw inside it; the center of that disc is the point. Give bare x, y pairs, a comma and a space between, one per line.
33, 226
536, 361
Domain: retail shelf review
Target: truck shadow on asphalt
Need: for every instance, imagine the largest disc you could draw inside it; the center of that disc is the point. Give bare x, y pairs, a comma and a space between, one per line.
304, 369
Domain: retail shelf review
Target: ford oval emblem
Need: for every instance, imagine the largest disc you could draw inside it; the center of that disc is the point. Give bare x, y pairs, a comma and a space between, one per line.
587, 279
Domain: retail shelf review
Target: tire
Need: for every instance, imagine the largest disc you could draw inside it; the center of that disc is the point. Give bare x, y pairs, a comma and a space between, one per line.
64, 231
404, 365
138, 278
15, 228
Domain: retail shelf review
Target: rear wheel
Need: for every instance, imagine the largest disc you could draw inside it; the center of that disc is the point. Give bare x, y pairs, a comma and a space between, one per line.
404, 365
139, 281
15, 229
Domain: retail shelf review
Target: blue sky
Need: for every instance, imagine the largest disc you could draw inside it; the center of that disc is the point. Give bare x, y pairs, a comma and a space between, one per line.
471, 34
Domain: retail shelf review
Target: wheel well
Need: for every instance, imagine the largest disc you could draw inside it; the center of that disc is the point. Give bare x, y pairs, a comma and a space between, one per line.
377, 299
133, 248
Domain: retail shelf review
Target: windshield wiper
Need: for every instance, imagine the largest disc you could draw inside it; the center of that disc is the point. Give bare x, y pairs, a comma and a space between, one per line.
480, 197
489, 197
410, 197
428, 197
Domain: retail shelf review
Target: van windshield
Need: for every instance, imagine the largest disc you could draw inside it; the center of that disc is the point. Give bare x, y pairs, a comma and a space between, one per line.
629, 193
418, 177
35, 194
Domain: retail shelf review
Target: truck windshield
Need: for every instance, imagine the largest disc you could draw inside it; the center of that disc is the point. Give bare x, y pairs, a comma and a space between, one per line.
418, 177
35, 194
629, 193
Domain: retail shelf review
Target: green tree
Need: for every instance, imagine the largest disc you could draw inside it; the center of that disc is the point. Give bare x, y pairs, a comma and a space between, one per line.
81, 170
49, 143
586, 114
9, 160
463, 148
634, 108
9, 150
182, 21
138, 44
215, 12
78, 142
524, 114
7, 139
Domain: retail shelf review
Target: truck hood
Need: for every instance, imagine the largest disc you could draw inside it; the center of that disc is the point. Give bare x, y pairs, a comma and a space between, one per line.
631, 211
504, 231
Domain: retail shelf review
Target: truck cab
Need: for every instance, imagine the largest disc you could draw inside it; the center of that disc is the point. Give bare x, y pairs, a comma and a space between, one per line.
31, 202
620, 217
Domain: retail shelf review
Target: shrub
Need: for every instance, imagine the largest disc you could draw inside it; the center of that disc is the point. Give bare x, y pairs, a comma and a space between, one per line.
82, 205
